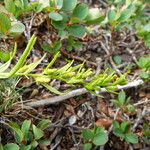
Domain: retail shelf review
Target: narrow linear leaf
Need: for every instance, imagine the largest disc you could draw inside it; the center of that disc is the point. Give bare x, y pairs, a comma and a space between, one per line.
24, 56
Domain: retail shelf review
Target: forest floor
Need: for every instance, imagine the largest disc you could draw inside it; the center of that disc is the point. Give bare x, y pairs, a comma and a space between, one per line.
71, 115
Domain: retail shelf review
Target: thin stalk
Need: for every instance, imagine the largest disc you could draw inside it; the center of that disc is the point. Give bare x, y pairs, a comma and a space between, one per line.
24, 56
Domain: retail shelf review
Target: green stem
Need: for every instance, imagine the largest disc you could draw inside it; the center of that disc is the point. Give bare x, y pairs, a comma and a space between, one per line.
24, 56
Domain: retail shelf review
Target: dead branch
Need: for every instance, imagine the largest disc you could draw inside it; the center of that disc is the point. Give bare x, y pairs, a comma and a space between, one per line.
77, 92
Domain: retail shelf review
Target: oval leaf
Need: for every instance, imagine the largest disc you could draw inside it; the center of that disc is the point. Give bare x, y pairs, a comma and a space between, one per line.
69, 5
25, 127
17, 27
11, 146
55, 16
100, 138
131, 138
77, 30
38, 133
81, 11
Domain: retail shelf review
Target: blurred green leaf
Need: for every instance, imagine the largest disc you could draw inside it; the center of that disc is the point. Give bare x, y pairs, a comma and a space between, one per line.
77, 30
55, 16
69, 5
131, 138
38, 133
5, 23
81, 11
11, 146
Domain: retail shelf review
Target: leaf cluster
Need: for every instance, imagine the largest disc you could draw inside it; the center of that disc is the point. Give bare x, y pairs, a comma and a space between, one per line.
95, 137
8, 94
144, 64
27, 136
124, 103
68, 73
123, 131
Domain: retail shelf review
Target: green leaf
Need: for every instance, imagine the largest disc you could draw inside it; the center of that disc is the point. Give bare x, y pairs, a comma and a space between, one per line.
55, 16
145, 75
1, 147
122, 97
69, 5
34, 144
3, 10
17, 27
44, 124
25, 127
60, 25
18, 133
44, 142
146, 28
77, 30
87, 134
25, 147
38, 133
78, 45
147, 40
111, 15
59, 4
10, 6
87, 146
126, 14
11, 147
125, 126
57, 46
118, 132
144, 62
131, 138
5, 23
100, 138
46, 47
24, 56
81, 11
94, 16
4, 56
117, 59
63, 34
116, 125
131, 108
52, 89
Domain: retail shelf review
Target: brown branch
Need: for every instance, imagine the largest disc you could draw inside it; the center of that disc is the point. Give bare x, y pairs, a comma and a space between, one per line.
77, 92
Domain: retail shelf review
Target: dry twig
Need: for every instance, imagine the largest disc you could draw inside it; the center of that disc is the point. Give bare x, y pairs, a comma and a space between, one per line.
77, 92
